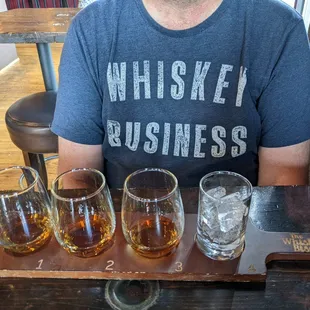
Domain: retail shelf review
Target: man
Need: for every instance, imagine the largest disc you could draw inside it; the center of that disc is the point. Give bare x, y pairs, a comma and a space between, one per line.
192, 86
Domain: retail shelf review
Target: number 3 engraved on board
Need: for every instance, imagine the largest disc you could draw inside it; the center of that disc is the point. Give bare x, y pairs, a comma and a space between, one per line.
110, 264
179, 267
40, 264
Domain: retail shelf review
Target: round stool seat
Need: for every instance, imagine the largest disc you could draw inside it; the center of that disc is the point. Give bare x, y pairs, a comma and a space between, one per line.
29, 120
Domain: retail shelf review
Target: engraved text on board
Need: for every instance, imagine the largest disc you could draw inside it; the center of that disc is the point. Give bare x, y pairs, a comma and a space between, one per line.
298, 243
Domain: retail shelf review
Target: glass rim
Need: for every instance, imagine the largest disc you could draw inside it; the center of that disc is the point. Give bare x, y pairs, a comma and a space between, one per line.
28, 188
167, 172
244, 179
83, 198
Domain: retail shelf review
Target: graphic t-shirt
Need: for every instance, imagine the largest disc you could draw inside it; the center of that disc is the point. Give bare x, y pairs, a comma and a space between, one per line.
191, 101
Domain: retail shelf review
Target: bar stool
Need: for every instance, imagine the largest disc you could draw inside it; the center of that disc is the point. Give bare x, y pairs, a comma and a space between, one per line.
28, 121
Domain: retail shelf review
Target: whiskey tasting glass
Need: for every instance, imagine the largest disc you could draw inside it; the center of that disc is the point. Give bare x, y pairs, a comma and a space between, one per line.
82, 212
24, 210
152, 212
224, 201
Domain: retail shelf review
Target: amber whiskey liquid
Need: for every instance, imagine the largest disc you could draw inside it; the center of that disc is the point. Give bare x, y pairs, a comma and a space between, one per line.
154, 237
89, 236
26, 234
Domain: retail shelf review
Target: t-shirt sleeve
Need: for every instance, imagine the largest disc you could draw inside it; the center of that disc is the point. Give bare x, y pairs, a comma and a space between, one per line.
284, 105
78, 113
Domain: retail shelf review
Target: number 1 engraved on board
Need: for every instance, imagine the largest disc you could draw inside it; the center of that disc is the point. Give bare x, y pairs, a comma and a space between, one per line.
40, 264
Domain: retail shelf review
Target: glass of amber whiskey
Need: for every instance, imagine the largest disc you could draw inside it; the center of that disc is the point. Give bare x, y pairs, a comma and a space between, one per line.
152, 212
82, 212
24, 210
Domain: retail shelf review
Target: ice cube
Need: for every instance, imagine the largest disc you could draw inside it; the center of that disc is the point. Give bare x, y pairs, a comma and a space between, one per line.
211, 220
210, 227
231, 236
229, 220
233, 201
234, 197
230, 212
217, 192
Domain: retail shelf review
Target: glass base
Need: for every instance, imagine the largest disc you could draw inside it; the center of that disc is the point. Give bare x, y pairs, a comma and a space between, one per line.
90, 251
30, 247
220, 252
156, 253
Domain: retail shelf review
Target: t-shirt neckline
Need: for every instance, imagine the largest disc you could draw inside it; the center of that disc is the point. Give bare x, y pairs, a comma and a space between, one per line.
213, 18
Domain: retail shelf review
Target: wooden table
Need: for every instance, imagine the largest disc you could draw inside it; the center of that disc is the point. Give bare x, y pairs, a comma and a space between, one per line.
287, 285
39, 26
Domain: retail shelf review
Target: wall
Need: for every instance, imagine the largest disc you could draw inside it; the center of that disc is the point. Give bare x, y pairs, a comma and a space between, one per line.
14, 4
7, 51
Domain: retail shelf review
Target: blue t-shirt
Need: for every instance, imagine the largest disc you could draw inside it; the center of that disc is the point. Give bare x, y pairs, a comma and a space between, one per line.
191, 101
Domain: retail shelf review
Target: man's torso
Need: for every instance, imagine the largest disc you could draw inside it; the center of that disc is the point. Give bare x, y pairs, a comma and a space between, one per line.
181, 100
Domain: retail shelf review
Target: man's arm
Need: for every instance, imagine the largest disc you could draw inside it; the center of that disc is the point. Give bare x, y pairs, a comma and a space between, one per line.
284, 165
75, 155
78, 113
284, 109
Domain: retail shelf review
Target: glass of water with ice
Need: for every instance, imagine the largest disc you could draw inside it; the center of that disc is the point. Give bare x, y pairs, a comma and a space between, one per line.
224, 201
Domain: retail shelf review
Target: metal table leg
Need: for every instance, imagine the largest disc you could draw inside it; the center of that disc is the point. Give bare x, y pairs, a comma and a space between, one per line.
299, 5
47, 67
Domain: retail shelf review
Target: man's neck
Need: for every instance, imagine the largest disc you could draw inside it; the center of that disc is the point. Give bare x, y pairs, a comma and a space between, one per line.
181, 14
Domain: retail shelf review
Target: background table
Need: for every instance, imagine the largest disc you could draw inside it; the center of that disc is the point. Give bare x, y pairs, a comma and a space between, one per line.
39, 26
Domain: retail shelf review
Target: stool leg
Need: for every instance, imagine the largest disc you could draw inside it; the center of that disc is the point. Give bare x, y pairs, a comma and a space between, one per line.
36, 161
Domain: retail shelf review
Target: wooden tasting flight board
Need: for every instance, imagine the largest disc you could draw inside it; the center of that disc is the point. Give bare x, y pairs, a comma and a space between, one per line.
278, 229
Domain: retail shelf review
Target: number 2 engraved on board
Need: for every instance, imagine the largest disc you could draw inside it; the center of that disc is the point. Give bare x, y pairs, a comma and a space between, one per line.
179, 267
110, 264
40, 264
